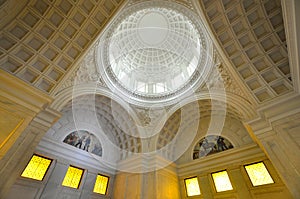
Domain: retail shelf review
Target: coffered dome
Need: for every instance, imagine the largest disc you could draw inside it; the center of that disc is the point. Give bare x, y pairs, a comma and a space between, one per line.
154, 52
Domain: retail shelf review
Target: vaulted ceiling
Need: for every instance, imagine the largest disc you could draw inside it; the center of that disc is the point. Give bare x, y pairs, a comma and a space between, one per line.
252, 36
45, 42
42, 40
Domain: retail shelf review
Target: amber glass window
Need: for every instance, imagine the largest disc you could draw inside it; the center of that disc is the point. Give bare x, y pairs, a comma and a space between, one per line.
192, 186
258, 174
101, 184
222, 181
37, 167
73, 177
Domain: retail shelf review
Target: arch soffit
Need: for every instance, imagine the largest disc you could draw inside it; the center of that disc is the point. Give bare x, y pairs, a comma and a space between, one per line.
247, 110
64, 97
235, 101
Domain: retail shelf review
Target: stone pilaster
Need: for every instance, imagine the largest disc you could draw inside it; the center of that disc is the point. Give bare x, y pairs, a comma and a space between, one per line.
277, 132
30, 108
146, 178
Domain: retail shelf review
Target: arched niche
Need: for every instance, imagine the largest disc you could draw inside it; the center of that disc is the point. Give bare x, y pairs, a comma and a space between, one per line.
211, 144
84, 140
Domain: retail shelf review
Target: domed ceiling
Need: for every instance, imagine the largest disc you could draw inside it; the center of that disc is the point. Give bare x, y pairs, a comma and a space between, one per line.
149, 53
154, 52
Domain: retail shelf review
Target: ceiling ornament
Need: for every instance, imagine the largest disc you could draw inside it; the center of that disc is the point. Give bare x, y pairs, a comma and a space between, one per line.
85, 73
145, 117
220, 78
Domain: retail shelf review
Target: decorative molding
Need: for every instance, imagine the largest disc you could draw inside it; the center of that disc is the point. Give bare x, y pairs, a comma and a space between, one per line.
290, 8
32, 106
142, 163
145, 117
220, 78
15, 90
186, 3
84, 73
230, 158
274, 112
68, 154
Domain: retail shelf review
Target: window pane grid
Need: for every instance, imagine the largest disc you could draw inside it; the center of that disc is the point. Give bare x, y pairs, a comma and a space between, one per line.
36, 168
72, 177
258, 174
101, 184
222, 181
192, 186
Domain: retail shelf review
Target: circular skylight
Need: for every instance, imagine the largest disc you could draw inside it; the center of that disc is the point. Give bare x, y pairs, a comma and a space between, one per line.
152, 28
154, 52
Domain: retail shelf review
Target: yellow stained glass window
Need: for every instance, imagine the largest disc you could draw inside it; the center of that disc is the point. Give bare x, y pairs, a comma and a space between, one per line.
259, 174
192, 186
222, 181
36, 168
101, 184
73, 177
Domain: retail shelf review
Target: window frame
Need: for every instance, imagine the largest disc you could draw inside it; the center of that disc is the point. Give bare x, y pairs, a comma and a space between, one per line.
108, 177
215, 187
250, 178
80, 180
186, 190
41, 156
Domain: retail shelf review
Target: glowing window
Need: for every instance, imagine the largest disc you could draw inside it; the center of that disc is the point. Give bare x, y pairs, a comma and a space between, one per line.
258, 174
101, 184
222, 181
192, 186
73, 177
36, 168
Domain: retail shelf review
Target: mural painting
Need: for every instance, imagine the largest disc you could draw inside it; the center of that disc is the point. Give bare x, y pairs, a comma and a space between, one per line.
210, 145
84, 140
